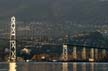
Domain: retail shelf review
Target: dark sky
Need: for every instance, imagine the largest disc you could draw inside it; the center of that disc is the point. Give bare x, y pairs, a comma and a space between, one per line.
75, 10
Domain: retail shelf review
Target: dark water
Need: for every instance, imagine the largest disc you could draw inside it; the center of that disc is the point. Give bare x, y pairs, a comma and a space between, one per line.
53, 66
4, 66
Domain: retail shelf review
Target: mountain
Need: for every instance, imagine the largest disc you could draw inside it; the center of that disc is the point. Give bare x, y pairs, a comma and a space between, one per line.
80, 11
93, 39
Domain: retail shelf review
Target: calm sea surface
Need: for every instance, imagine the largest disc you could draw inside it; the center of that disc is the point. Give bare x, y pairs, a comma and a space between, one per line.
56, 66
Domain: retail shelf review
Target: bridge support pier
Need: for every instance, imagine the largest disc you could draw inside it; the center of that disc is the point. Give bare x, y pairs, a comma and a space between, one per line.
74, 53
103, 53
84, 53
65, 52
65, 58
91, 54
96, 54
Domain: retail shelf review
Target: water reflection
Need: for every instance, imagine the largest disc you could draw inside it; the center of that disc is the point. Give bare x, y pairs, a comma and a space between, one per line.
58, 66
102, 67
91, 66
65, 66
83, 66
74, 67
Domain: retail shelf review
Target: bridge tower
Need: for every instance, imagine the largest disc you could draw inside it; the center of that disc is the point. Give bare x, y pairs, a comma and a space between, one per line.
65, 50
74, 53
65, 54
12, 55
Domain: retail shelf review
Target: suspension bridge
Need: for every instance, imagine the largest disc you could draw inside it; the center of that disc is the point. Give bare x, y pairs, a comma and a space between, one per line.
86, 52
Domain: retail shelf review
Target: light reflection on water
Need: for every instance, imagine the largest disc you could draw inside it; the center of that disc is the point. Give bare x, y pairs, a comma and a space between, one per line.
57, 66
71, 66
65, 66
83, 66
74, 67
91, 66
